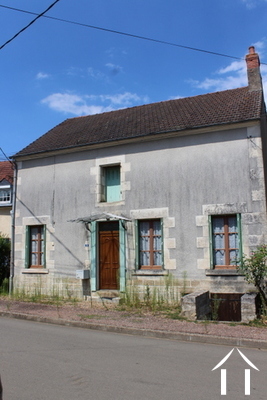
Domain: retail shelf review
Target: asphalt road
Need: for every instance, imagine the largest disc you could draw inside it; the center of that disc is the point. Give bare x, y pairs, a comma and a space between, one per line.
41, 361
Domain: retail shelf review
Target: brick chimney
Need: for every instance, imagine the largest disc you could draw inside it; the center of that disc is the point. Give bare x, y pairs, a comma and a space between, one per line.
253, 70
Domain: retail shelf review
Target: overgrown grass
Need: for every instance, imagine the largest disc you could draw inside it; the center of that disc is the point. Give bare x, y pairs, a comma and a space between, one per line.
4, 288
260, 322
153, 298
165, 296
37, 295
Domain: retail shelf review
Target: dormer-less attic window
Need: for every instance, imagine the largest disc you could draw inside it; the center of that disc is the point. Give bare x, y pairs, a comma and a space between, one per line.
5, 194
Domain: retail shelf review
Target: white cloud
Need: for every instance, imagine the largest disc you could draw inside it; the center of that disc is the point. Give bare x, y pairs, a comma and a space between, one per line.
122, 99
115, 69
91, 104
42, 75
252, 3
232, 76
95, 74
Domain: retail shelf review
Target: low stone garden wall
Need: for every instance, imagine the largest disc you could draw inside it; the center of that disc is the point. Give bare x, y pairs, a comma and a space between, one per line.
197, 305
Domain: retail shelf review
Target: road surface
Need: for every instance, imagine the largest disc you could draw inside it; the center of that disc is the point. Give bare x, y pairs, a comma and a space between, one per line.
41, 361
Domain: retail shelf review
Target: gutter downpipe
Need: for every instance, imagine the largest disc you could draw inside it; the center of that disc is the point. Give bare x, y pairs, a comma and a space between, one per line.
13, 217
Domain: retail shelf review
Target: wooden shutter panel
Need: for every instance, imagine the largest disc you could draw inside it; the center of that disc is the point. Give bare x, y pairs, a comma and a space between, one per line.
239, 230
136, 234
162, 243
113, 183
44, 233
211, 243
122, 256
27, 247
93, 256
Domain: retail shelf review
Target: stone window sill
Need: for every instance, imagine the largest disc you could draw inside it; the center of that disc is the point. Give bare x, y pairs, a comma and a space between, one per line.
223, 272
35, 271
111, 203
150, 272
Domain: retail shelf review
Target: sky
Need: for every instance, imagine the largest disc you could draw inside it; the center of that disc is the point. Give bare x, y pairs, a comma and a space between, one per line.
56, 70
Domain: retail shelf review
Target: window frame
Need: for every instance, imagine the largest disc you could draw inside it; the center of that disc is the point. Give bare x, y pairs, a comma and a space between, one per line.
151, 250
41, 246
6, 188
226, 248
104, 184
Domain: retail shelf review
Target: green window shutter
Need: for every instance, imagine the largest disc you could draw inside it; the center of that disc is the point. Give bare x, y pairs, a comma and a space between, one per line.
27, 247
44, 259
239, 229
211, 243
93, 256
113, 183
136, 234
122, 257
162, 243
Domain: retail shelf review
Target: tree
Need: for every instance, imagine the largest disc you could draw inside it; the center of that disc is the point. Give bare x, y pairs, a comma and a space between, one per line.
4, 257
254, 269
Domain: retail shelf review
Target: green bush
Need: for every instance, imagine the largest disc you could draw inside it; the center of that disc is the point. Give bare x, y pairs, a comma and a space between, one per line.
4, 258
254, 269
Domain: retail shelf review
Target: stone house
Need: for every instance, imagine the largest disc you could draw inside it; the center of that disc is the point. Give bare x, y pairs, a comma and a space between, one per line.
6, 185
134, 195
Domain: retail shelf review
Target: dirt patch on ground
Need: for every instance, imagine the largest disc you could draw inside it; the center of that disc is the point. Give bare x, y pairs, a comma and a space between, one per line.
138, 319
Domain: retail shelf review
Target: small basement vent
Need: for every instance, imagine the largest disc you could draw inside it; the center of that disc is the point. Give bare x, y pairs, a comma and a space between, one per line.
226, 306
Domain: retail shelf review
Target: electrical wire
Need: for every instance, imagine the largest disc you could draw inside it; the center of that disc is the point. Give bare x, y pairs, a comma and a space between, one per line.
126, 34
27, 26
4, 154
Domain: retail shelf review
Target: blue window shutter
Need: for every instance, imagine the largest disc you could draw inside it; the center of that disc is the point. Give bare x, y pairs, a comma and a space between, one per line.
113, 183
93, 257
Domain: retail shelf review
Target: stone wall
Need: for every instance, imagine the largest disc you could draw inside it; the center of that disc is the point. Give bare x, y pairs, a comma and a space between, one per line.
249, 307
196, 305
39, 285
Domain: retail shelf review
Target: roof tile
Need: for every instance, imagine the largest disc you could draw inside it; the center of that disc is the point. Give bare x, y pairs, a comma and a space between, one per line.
225, 107
6, 171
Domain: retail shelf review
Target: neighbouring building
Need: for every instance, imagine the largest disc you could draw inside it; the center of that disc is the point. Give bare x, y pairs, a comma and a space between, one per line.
6, 184
176, 187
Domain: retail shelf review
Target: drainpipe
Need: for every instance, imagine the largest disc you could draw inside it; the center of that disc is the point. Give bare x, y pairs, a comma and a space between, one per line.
13, 216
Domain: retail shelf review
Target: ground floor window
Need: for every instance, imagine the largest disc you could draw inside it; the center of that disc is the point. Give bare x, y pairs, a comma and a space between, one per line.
35, 246
150, 244
225, 241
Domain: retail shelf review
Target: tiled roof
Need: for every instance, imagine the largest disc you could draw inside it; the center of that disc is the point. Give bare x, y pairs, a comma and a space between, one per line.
225, 107
6, 171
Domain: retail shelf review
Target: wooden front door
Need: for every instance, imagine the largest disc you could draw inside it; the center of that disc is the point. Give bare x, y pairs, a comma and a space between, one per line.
109, 255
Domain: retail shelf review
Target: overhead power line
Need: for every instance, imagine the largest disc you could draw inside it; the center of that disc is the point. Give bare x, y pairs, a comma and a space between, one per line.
117, 32
27, 26
4, 154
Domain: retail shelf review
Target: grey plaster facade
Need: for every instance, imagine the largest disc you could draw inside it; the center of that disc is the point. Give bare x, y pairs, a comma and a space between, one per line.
181, 180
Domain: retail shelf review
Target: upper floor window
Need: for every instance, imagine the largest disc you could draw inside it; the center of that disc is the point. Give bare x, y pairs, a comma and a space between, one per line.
111, 183
5, 195
225, 241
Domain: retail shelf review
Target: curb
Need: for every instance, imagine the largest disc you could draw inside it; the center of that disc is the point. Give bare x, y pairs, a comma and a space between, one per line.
185, 337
